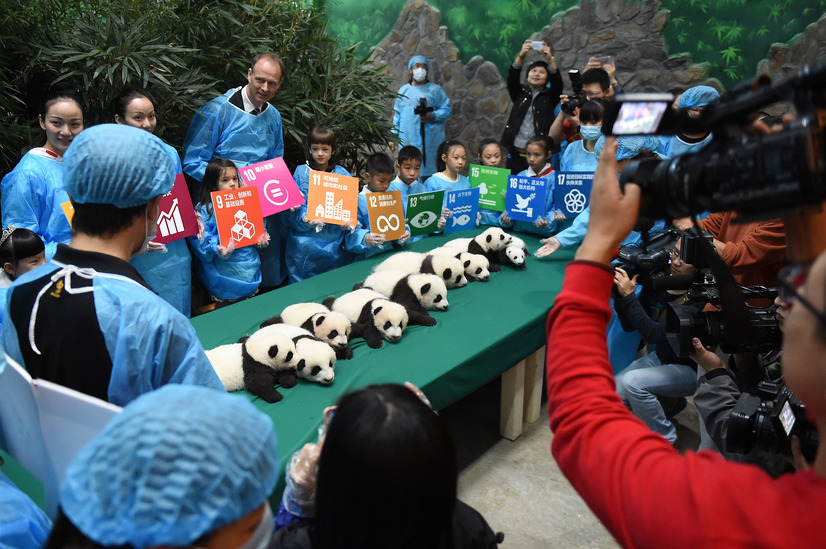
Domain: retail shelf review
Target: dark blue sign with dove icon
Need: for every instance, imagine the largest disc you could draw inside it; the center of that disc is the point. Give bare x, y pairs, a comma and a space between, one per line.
525, 200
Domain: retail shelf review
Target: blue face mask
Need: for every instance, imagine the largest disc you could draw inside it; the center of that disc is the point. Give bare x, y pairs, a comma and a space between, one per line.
591, 133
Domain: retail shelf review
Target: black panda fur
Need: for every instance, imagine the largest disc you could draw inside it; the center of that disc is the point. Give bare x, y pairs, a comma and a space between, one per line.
260, 379
344, 353
427, 268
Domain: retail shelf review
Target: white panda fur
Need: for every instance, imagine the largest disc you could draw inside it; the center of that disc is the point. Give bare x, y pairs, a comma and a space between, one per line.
333, 328
514, 254
257, 363
418, 291
373, 316
315, 360
477, 266
487, 243
449, 268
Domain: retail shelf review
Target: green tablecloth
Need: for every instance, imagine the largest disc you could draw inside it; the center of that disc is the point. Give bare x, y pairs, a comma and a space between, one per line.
489, 327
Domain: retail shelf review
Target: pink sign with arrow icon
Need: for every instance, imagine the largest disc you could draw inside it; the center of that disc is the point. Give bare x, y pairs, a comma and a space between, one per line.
276, 185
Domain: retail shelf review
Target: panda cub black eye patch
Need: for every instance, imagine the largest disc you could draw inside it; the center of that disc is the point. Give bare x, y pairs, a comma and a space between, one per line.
301, 364
387, 325
333, 334
315, 371
289, 356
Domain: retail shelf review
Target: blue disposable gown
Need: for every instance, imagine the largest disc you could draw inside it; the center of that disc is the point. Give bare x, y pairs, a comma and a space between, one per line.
22, 524
672, 145
219, 129
149, 343
406, 190
32, 194
311, 252
577, 159
233, 277
222, 130
407, 124
169, 273
527, 227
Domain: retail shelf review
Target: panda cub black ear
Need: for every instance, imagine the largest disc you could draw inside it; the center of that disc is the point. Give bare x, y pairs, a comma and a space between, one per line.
319, 320
273, 351
426, 288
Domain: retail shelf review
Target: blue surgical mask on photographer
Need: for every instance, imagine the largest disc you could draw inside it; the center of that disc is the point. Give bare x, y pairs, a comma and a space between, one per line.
419, 74
591, 133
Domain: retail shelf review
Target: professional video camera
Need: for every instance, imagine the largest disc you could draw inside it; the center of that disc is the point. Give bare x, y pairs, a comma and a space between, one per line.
651, 259
685, 321
421, 108
764, 176
578, 97
768, 421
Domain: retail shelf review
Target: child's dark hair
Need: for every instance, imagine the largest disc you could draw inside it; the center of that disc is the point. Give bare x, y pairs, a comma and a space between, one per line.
19, 243
444, 148
485, 143
210, 182
592, 111
380, 163
322, 135
126, 96
546, 142
409, 152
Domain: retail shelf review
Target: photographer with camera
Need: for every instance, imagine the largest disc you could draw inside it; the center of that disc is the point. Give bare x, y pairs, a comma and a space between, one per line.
660, 373
533, 102
644, 491
420, 112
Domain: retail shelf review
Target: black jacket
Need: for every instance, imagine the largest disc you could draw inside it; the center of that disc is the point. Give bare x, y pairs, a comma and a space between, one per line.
543, 105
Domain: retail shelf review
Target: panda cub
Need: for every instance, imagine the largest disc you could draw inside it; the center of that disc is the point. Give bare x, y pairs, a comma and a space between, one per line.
314, 359
373, 316
488, 243
257, 363
417, 291
514, 254
449, 268
477, 267
333, 328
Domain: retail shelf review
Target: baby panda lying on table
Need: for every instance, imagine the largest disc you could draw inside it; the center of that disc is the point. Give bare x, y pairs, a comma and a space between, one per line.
493, 243
331, 327
374, 317
477, 267
417, 292
449, 268
273, 355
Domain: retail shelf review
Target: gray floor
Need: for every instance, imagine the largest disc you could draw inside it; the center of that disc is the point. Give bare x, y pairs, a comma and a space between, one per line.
517, 485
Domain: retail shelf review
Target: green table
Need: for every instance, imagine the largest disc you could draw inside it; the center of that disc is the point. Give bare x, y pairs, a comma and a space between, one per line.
489, 327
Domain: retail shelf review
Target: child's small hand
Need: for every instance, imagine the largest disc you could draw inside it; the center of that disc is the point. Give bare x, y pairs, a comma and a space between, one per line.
404, 238
264, 241
294, 208
374, 239
505, 219
441, 224
478, 218
224, 252
551, 245
542, 222
559, 216
200, 225
445, 213
349, 227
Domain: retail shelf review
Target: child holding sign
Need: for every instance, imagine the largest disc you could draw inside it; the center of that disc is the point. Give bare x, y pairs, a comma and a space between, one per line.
538, 154
228, 274
490, 154
363, 242
409, 165
315, 247
452, 157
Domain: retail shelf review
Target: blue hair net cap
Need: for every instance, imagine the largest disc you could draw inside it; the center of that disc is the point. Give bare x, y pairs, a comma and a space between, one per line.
629, 146
698, 96
418, 59
117, 164
176, 464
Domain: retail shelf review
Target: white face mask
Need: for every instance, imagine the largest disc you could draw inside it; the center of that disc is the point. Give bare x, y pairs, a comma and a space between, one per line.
148, 236
419, 74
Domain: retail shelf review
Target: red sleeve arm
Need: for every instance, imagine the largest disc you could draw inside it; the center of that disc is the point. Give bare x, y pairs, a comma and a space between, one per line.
642, 490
